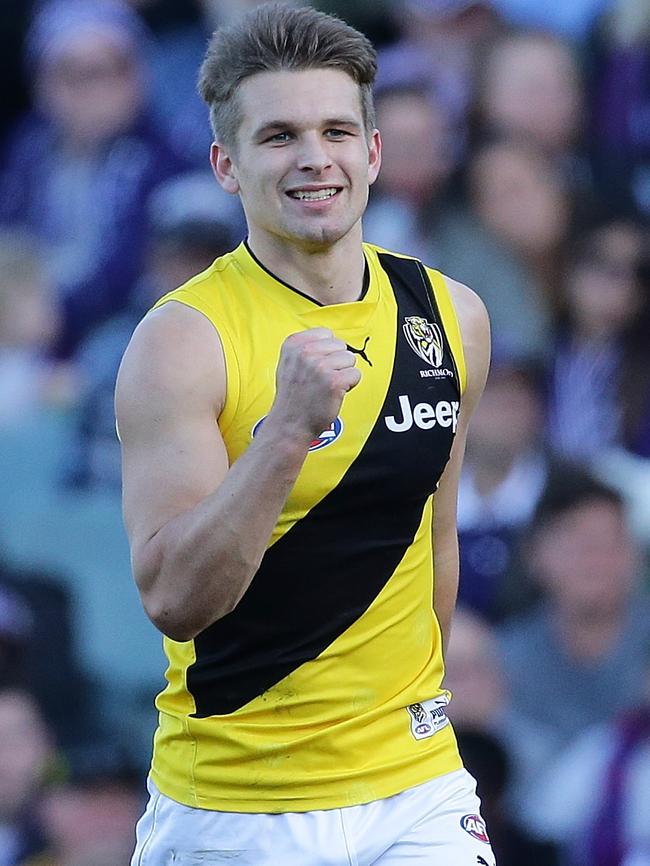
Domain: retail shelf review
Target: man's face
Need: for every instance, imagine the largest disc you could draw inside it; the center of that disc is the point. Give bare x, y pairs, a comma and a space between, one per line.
533, 89
24, 751
585, 558
417, 146
507, 420
303, 163
92, 91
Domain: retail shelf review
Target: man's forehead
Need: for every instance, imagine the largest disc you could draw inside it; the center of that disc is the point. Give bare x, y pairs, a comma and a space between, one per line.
299, 96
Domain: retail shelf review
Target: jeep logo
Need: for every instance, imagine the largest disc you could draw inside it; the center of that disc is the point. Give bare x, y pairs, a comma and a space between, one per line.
424, 415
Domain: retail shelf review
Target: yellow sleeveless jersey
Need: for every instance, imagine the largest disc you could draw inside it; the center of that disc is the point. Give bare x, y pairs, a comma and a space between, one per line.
322, 689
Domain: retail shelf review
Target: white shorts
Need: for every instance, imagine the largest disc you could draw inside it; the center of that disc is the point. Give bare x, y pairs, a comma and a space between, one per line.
437, 824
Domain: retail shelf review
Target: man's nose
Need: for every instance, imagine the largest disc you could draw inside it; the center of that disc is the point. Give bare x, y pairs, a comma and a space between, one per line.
313, 154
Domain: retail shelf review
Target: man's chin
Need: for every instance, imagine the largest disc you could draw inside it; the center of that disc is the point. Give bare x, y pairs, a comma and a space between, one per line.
319, 238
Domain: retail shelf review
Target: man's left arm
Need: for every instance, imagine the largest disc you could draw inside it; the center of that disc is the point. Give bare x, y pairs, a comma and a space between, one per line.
475, 333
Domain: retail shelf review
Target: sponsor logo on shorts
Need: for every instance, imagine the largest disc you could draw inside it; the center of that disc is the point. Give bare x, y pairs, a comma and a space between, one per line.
428, 717
329, 435
481, 861
475, 826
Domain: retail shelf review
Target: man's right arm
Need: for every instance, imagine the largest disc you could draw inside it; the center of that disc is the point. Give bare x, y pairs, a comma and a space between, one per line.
198, 528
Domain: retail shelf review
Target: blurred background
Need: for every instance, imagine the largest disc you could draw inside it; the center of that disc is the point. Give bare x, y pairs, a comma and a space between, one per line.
516, 159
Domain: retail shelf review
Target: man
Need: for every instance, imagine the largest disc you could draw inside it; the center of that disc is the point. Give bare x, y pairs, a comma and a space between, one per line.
587, 639
26, 750
286, 417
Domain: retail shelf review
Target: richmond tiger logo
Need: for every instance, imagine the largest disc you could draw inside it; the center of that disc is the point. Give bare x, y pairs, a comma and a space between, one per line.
424, 338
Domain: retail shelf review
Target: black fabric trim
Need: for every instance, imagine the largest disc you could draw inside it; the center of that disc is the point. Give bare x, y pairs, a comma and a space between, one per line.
326, 571
435, 312
364, 287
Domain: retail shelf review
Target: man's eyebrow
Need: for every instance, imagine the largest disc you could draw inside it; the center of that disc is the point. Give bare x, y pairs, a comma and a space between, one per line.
275, 125
342, 121
270, 126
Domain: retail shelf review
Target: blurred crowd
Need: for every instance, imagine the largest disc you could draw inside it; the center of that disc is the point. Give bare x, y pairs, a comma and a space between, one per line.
516, 159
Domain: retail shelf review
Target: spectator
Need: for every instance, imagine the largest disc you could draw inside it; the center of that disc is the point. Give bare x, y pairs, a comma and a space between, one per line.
531, 90
611, 761
599, 376
501, 244
504, 473
29, 325
417, 163
90, 816
79, 168
25, 754
475, 675
579, 657
619, 60
488, 762
504, 241
176, 54
188, 229
441, 45
524, 202
37, 645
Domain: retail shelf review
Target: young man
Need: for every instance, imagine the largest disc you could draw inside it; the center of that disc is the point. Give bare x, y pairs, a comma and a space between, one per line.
286, 419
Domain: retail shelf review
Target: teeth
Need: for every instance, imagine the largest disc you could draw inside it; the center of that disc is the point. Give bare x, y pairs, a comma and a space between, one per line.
314, 195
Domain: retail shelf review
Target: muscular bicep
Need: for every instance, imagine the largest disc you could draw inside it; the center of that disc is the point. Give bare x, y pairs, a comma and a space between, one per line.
169, 466
169, 392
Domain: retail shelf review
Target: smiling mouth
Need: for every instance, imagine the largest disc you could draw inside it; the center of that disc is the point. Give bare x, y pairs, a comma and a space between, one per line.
314, 194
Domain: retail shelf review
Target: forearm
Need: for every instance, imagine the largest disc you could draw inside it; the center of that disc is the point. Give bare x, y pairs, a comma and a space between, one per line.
198, 566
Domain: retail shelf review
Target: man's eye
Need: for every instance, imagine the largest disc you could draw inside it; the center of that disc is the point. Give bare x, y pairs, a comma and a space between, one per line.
337, 133
279, 138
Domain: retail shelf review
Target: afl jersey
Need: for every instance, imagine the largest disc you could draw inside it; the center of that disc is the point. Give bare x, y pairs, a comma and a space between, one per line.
322, 688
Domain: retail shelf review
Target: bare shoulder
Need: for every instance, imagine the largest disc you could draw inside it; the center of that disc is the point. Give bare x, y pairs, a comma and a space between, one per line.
474, 326
170, 391
175, 354
470, 309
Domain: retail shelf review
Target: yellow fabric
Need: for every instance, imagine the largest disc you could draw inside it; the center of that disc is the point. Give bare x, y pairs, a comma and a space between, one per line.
335, 731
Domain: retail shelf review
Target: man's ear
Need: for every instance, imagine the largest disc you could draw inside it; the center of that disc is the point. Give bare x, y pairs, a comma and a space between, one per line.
374, 156
223, 168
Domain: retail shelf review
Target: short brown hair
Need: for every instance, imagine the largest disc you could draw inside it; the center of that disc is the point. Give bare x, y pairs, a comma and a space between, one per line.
275, 37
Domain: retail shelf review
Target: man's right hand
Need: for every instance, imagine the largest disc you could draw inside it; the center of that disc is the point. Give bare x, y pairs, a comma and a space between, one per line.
315, 372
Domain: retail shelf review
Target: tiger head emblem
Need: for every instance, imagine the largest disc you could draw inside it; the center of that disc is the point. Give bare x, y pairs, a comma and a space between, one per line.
424, 338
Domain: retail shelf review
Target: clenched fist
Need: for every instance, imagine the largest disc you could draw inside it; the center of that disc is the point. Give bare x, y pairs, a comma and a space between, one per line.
315, 372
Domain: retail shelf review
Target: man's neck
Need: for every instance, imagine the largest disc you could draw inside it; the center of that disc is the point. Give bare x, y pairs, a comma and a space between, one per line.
331, 276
